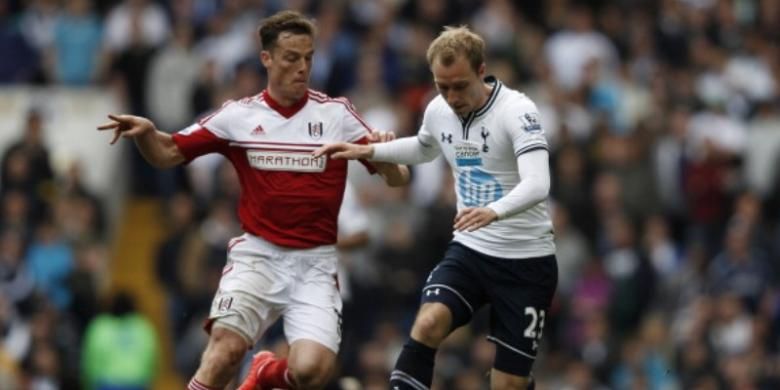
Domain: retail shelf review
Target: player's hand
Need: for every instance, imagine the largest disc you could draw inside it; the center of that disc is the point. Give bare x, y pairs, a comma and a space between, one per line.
378, 136
345, 151
472, 218
127, 126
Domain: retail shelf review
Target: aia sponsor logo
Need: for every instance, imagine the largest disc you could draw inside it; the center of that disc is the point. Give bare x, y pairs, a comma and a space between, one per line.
315, 130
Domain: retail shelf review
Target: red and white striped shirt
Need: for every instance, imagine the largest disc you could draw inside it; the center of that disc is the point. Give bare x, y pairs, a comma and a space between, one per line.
287, 197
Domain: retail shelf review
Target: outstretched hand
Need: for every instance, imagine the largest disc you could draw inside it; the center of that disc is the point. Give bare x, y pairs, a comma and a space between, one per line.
127, 126
348, 151
344, 151
472, 218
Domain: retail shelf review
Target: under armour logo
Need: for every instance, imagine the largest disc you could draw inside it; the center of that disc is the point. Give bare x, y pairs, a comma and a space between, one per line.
435, 292
484, 135
446, 138
535, 345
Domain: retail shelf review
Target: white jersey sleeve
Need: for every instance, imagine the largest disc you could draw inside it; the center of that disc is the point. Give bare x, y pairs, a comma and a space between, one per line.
524, 127
211, 134
354, 127
220, 121
425, 135
410, 150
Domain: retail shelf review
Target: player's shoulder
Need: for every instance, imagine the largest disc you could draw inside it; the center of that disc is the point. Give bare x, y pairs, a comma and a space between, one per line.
235, 107
327, 101
437, 107
513, 102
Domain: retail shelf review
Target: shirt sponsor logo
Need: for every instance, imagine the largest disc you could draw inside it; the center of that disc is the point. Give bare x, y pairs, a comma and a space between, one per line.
286, 161
467, 155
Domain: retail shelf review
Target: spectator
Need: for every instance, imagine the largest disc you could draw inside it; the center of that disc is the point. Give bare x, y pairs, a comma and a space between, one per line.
50, 262
77, 45
20, 59
135, 22
120, 349
26, 165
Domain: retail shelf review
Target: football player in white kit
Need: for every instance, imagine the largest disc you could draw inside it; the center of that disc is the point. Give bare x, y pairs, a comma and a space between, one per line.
502, 253
285, 264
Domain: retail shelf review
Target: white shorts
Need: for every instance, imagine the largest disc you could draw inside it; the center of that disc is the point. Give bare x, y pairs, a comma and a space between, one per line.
262, 281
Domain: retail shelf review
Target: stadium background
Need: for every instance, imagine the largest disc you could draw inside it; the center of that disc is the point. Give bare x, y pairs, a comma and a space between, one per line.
664, 124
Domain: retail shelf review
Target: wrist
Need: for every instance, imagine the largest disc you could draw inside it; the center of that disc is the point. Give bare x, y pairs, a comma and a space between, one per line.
497, 209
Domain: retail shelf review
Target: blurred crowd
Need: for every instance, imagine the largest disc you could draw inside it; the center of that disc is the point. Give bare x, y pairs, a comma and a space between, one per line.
663, 119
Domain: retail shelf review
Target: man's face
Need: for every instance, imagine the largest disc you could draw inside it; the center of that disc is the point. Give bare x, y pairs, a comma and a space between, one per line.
460, 86
289, 64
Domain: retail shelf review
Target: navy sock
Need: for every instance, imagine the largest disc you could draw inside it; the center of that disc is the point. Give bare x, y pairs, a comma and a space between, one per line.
414, 368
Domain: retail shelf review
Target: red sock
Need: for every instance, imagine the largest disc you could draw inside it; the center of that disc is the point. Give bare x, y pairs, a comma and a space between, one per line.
276, 376
196, 385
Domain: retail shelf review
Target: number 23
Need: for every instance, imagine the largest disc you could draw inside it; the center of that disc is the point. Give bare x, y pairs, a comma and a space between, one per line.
537, 318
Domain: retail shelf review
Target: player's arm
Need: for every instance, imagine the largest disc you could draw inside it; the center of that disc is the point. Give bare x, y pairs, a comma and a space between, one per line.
395, 175
157, 147
407, 150
534, 186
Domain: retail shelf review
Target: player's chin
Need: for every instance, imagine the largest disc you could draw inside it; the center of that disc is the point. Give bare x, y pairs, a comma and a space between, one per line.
296, 90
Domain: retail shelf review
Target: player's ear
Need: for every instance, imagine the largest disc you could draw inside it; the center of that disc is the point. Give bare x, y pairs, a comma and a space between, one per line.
481, 71
266, 58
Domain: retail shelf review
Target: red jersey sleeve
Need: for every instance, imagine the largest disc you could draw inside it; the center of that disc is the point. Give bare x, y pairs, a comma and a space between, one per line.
196, 140
368, 164
209, 135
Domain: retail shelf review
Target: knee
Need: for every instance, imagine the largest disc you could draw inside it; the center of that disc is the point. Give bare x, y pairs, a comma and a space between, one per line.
311, 373
225, 350
432, 326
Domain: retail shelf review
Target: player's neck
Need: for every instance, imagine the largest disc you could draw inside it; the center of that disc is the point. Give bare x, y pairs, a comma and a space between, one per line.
487, 90
281, 100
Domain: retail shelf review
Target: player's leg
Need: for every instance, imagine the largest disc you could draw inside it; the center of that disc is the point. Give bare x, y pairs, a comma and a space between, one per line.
502, 380
241, 311
520, 294
220, 361
311, 364
312, 326
414, 367
449, 298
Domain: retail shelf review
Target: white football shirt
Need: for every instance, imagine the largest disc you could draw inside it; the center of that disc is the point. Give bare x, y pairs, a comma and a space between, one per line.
482, 150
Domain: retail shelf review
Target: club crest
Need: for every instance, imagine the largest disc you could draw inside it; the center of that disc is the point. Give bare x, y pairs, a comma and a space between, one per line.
315, 130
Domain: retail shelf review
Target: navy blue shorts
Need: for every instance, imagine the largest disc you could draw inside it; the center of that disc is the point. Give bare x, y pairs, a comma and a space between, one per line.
519, 292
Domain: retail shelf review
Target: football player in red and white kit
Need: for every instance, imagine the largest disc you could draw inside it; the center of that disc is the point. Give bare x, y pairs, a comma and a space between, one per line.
285, 264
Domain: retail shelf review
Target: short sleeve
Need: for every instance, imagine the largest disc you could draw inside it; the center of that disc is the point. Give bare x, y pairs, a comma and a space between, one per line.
208, 135
525, 128
355, 129
353, 126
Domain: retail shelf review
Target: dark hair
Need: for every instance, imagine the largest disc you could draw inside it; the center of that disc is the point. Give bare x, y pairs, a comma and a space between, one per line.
284, 21
122, 303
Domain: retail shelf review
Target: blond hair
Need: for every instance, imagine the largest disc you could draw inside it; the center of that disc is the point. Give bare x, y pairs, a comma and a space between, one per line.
455, 41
